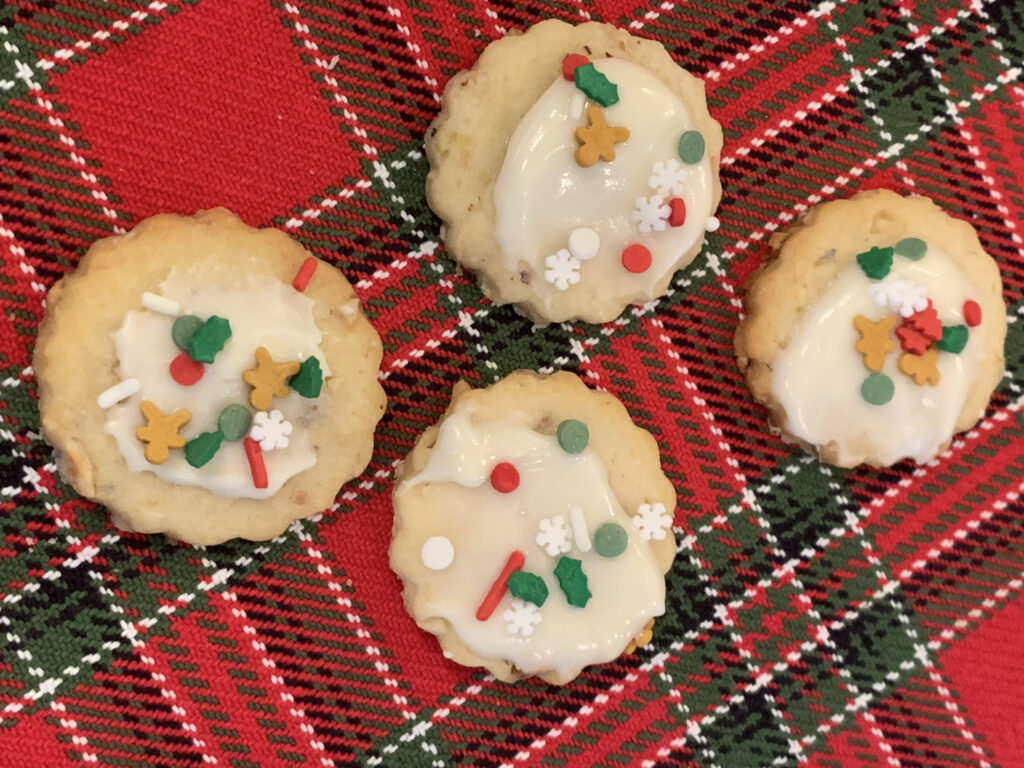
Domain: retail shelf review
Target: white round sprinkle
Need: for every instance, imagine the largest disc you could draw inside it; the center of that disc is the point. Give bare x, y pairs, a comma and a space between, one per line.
111, 397
712, 224
437, 553
161, 304
584, 243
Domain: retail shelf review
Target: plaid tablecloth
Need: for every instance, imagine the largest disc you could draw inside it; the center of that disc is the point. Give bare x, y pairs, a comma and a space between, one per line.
815, 615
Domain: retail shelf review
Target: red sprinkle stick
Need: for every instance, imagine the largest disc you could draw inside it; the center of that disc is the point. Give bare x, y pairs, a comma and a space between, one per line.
497, 591
256, 465
305, 274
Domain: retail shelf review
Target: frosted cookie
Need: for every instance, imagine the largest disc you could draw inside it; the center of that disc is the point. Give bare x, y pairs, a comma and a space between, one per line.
206, 379
876, 332
533, 528
575, 170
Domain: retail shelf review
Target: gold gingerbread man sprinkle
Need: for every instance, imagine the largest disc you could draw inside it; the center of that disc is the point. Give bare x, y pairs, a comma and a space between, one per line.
160, 433
598, 140
875, 342
921, 368
641, 639
269, 379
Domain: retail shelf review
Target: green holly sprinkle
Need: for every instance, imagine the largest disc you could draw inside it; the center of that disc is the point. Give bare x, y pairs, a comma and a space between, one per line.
954, 339
529, 587
234, 422
573, 436
610, 540
876, 263
691, 147
595, 85
877, 389
309, 380
199, 450
209, 339
573, 581
913, 248
183, 329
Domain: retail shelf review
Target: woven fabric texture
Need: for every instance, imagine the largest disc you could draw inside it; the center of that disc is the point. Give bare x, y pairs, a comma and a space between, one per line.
817, 616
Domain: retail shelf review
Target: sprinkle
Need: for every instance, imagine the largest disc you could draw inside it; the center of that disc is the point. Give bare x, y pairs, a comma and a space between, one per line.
160, 304
913, 248
651, 214
309, 380
597, 139
271, 430
160, 432
652, 520
926, 322
972, 313
691, 147
183, 328
911, 340
954, 339
876, 262
497, 591
610, 540
677, 215
199, 450
584, 243
877, 389
636, 258
209, 339
256, 465
124, 389
234, 422
562, 269
573, 436
595, 85
570, 63
504, 477
579, 529
529, 587
554, 535
874, 343
521, 618
573, 581
268, 379
921, 368
668, 178
305, 274
712, 224
185, 370
437, 553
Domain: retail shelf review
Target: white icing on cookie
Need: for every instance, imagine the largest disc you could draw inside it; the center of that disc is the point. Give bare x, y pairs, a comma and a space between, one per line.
262, 312
542, 195
485, 526
817, 377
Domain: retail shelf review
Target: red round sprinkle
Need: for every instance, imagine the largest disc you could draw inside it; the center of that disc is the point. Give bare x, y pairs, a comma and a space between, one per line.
504, 478
569, 64
185, 370
972, 313
678, 216
636, 258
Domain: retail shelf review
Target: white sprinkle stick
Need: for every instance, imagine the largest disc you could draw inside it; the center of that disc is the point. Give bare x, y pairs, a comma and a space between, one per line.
579, 529
161, 304
117, 393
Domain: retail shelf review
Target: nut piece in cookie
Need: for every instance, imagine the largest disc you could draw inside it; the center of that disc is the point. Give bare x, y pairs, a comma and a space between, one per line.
533, 528
876, 332
192, 383
575, 169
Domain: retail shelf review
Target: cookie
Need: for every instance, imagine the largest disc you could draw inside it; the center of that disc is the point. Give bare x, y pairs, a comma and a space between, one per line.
207, 380
532, 528
575, 170
876, 331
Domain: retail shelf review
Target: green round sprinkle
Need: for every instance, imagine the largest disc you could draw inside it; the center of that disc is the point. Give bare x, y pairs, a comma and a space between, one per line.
877, 389
234, 422
183, 328
610, 540
209, 339
573, 581
309, 380
201, 449
573, 436
876, 262
912, 248
596, 85
529, 587
954, 339
691, 147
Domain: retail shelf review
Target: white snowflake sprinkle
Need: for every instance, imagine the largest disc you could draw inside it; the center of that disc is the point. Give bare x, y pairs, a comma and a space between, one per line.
652, 521
521, 617
563, 269
270, 430
554, 535
651, 213
668, 178
899, 295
